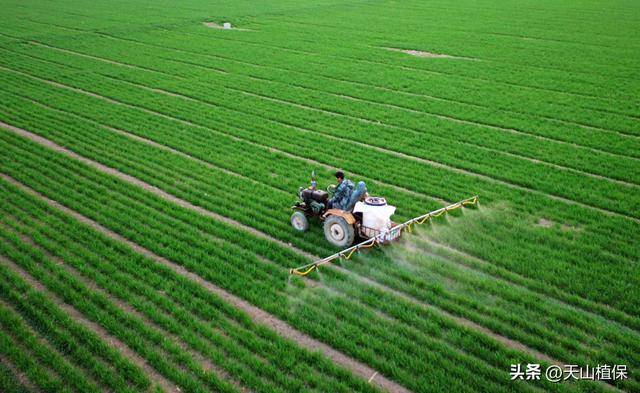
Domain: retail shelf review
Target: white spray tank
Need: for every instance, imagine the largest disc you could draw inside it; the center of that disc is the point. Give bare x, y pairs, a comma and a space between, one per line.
376, 215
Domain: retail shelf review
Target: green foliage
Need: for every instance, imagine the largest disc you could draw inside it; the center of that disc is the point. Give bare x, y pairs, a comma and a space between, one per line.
537, 112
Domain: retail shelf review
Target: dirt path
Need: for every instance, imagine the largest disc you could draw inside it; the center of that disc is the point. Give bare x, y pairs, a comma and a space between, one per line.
555, 299
139, 183
207, 164
280, 326
431, 55
20, 376
257, 315
74, 314
464, 322
206, 364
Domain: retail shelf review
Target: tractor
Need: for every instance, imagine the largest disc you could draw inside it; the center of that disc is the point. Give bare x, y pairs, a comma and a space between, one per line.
365, 216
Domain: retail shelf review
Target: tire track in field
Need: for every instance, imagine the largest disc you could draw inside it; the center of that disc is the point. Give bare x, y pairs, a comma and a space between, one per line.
127, 178
379, 149
206, 364
600, 110
442, 117
126, 308
440, 245
414, 158
116, 102
453, 347
257, 315
104, 97
373, 377
360, 144
78, 317
139, 183
227, 135
155, 144
18, 374
307, 255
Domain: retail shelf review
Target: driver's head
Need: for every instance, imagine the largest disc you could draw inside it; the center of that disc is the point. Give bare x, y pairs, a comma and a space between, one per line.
340, 176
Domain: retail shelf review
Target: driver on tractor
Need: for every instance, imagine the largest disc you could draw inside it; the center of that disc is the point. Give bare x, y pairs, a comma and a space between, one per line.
342, 194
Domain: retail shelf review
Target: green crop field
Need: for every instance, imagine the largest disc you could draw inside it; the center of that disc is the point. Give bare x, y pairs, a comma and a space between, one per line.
149, 159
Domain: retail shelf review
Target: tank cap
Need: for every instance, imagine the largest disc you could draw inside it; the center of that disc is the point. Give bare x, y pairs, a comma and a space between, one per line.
375, 201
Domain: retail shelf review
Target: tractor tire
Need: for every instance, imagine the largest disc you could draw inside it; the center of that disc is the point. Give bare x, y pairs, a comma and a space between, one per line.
299, 221
338, 232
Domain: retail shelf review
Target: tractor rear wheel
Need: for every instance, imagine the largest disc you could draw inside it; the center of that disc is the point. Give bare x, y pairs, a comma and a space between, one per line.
338, 232
299, 221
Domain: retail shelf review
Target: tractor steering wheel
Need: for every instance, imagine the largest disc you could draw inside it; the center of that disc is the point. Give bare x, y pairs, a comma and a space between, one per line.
331, 189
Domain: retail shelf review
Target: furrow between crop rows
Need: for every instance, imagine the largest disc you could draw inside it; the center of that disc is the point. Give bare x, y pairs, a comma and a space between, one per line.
502, 182
256, 314
321, 303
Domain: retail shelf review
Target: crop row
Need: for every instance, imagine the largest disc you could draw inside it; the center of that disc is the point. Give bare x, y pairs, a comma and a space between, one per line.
540, 336
190, 170
136, 217
595, 64
185, 166
72, 356
163, 355
608, 241
185, 310
593, 192
539, 341
396, 353
447, 115
551, 102
343, 56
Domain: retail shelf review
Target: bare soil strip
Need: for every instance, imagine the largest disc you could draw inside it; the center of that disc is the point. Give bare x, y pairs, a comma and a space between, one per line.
204, 362
562, 302
431, 55
139, 183
47, 143
154, 376
258, 316
213, 25
20, 376
379, 149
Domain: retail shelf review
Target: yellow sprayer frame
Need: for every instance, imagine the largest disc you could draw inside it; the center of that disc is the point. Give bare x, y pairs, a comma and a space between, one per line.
376, 240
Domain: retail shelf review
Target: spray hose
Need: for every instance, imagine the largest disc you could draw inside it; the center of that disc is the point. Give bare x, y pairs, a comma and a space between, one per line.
378, 239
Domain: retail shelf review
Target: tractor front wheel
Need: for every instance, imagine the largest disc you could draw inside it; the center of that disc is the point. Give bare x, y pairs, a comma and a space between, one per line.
338, 232
299, 221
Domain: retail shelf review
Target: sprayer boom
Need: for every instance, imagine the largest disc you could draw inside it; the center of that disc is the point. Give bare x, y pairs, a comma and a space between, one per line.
382, 237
